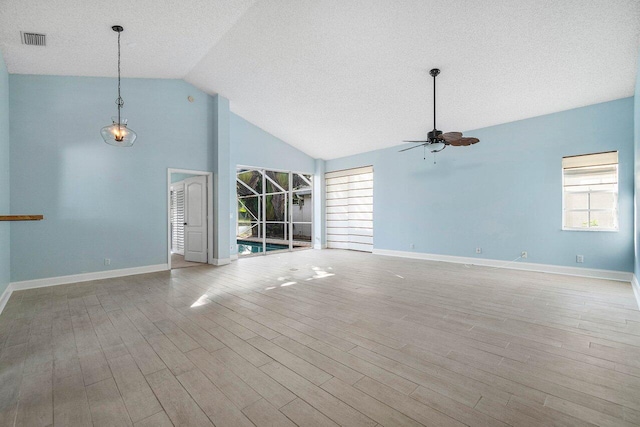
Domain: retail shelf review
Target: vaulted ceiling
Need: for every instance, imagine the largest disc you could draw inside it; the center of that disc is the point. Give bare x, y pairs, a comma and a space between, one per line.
339, 77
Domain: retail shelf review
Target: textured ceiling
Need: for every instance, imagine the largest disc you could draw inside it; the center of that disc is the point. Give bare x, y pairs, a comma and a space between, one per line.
339, 77
161, 39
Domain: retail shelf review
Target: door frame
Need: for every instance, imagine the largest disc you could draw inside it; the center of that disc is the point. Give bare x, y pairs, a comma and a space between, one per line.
209, 176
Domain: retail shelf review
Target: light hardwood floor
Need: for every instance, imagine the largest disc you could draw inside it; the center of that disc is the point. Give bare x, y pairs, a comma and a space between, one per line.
323, 338
177, 261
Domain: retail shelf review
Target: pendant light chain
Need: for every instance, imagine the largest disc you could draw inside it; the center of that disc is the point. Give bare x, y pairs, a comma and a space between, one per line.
119, 101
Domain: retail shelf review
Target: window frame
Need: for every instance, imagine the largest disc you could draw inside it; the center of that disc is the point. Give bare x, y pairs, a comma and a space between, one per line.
616, 209
288, 223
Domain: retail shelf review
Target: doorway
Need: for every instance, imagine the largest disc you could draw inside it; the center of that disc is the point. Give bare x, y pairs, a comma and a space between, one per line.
190, 219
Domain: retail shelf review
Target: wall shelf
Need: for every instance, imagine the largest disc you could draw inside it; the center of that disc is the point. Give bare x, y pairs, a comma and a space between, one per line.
21, 217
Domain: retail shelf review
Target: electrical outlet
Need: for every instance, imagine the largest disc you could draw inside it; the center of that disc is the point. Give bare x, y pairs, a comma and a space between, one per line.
579, 258
412, 246
523, 254
107, 261
478, 250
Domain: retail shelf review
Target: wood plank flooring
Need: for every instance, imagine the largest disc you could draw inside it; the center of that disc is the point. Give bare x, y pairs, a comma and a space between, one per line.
323, 338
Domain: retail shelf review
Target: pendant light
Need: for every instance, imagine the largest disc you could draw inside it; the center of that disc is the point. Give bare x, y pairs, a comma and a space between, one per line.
117, 132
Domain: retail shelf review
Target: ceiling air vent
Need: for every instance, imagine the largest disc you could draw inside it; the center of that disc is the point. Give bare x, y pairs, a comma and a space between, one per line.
33, 39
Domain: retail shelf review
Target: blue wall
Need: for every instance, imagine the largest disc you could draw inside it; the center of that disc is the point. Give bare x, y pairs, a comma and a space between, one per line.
636, 115
5, 248
222, 208
99, 201
504, 194
252, 146
319, 207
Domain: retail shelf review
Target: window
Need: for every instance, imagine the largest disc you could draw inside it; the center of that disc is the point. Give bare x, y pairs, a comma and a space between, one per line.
274, 210
590, 192
350, 209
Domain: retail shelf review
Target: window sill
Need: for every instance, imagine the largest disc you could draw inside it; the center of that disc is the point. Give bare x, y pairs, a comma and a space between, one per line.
609, 230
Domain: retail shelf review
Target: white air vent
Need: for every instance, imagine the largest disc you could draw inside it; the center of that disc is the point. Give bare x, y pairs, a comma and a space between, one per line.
33, 39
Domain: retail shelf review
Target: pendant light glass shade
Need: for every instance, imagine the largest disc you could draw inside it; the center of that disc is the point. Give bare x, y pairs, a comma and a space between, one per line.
118, 134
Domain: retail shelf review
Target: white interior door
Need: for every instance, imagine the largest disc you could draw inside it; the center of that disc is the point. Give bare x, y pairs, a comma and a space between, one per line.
177, 218
195, 224
350, 209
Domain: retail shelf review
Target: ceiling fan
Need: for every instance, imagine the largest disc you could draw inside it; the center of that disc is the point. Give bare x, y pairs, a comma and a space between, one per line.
436, 140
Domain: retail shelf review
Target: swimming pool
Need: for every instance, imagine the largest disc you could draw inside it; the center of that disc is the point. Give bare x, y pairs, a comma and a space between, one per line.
246, 247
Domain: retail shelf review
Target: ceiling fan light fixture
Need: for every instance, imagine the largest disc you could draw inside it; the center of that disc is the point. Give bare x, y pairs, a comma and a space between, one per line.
117, 133
436, 147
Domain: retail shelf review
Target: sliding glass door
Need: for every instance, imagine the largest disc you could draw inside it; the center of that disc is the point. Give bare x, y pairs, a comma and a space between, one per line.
274, 210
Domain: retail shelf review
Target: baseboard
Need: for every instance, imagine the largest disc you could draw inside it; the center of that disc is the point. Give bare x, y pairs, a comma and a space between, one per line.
636, 289
77, 278
319, 246
621, 276
5, 297
221, 261
234, 257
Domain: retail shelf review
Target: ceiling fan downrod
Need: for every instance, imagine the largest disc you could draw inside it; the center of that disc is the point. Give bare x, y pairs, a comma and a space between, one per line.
433, 135
434, 73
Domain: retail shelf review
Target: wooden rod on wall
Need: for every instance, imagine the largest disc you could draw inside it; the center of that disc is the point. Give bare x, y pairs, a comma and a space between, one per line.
21, 217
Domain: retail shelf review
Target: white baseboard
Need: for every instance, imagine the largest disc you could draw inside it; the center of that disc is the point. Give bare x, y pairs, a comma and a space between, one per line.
77, 278
319, 246
221, 261
636, 289
234, 257
622, 276
5, 297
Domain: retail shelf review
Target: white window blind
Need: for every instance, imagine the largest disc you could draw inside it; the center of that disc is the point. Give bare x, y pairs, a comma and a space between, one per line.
177, 219
350, 209
590, 192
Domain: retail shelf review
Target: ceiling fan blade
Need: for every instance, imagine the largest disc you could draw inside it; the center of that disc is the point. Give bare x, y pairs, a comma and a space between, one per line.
421, 142
411, 148
450, 136
464, 141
